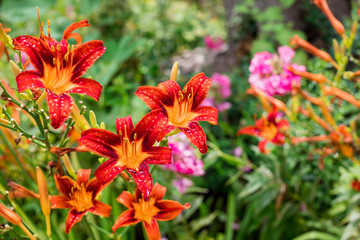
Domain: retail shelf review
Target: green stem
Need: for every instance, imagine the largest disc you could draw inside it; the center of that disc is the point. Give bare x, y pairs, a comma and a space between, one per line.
89, 229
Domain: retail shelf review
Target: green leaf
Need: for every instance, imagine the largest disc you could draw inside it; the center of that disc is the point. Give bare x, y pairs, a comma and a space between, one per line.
315, 235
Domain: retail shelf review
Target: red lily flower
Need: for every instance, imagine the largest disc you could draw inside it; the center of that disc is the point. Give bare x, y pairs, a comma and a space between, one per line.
59, 68
148, 211
182, 108
131, 149
79, 196
269, 128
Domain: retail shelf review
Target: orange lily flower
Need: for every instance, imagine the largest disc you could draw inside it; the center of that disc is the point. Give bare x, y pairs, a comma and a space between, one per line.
269, 128
324, 7
58, 69
182, 107
148, 211
131, 149
79, 196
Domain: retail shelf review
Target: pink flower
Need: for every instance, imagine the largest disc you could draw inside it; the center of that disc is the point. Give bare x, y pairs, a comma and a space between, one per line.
182, 184
270, 73
184, 158
223, 82
213, 43
219, 90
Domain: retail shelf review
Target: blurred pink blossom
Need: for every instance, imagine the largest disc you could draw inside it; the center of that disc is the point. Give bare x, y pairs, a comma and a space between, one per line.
223, 83
24, 59
182, 184
269, 71
220, 90
184, 158
213, 43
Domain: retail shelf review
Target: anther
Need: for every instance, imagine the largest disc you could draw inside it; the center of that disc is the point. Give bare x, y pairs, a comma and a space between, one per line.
52, 49
54, 61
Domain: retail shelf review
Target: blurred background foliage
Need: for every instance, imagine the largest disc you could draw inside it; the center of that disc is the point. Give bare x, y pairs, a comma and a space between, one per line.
283, 195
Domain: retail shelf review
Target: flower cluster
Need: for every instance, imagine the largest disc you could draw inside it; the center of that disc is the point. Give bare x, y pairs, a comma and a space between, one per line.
58, 69
269, 72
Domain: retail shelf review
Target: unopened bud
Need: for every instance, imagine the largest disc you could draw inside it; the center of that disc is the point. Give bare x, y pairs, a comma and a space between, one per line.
10, 215
14, 68
174, 71
92, 117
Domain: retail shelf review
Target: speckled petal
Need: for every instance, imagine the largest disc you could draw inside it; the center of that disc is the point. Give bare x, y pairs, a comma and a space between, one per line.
154, 97
108, 171
206, 113
59, 107
88, 87
199, 86
143, 179
29, 80
196, 135
101, 141
72, 218
60, 202
124, 127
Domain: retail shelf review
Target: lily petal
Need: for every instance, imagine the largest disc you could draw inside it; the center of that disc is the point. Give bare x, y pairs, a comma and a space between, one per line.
68, 31
95, 186
29, 80
196, 135
88, 87
108, 171
143, 179
101, 141
158, 192
126, 199
152, 230
83, 176
169, 209
100, 209
153, 97
283, 125
262, 145
171, 87
36, 49
206, 113
149, 127
249, 130
59, 107
125, 219
88, 58
64, 184
159, 155
124, 126
60, 202
279, 138
200, 85
72, 218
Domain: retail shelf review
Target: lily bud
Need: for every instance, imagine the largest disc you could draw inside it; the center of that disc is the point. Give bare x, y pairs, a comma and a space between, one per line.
44, 198
92, 117
14, 68
10, 215
337, 25
297, 41
174, 71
